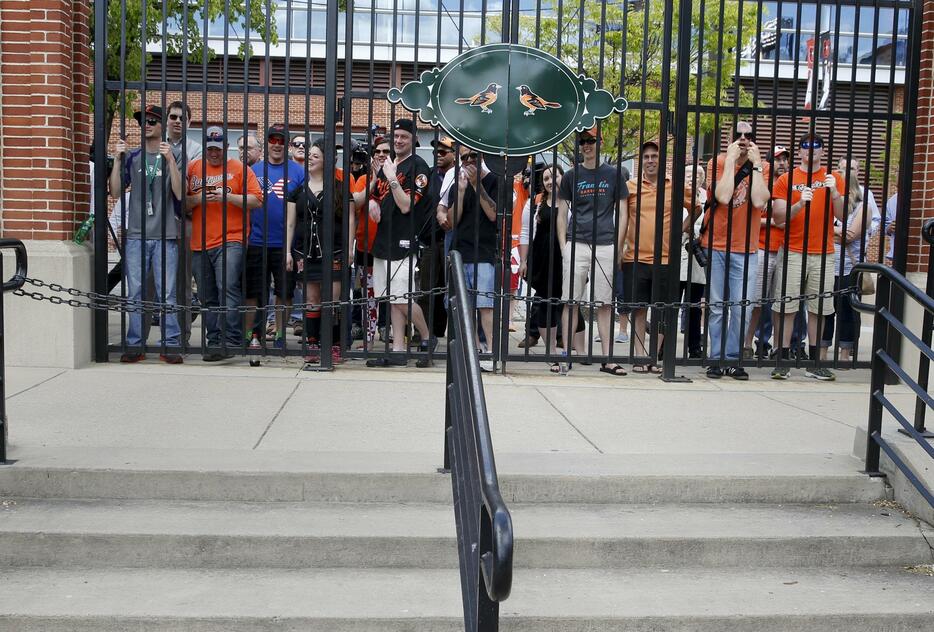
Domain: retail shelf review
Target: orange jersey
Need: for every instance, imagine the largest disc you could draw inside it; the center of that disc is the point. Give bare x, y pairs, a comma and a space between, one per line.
213, 216
817, 224
744, 227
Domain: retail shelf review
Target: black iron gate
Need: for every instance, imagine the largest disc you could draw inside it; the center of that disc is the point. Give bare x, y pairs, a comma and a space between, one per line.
836, 79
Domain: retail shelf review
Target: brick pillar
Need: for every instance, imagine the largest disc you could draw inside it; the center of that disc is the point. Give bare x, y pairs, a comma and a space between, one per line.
45, 127
922, 202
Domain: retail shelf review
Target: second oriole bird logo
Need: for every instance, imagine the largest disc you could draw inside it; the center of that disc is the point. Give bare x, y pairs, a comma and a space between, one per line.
483, 99
533, 102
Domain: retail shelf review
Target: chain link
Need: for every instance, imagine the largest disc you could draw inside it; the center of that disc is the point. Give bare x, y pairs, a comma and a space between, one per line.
122, 304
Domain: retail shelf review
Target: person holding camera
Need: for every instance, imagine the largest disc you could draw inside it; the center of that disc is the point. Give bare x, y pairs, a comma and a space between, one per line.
731, 239
806, 200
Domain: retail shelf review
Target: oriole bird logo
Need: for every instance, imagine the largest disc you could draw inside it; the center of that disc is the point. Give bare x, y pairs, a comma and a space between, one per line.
483, 99
533, 102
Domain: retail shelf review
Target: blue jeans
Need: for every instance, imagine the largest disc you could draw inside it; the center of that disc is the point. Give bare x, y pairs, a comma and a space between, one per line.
148, 253
479, 277
209, 267
740, 285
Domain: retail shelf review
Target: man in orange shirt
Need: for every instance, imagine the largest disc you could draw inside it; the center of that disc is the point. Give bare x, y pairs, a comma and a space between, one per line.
806, 201
639, 249
219, 229
732, 237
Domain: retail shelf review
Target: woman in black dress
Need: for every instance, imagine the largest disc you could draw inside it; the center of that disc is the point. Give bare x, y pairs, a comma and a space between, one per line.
305, 233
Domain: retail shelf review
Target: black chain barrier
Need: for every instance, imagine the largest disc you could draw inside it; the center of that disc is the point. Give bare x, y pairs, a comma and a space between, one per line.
114, 303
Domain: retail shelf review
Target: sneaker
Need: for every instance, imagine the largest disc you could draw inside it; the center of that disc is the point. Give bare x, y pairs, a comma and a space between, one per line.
596, 338
714, 372
394, 360
528, 342
131, 358
622, 337
336, 357
255, 347
487, 366
820, 373
781, 373
356, 332
428, 345
171, 358
213, 356
314, 354
737, 373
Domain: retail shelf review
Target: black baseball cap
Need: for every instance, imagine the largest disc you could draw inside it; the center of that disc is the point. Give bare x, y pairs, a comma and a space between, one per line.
277, 130
151, 110
406, 125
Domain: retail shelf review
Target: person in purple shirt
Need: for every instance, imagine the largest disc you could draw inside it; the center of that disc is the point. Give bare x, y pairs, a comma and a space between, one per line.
265, 261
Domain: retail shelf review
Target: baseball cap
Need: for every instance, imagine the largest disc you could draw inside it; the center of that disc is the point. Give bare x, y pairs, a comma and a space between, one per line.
444, 141
151, 110
592, 132
778, 150
650, 143
406, 125
277, 130
215, 137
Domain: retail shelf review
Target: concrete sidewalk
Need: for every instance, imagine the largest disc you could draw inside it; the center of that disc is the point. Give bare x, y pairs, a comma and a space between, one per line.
279, 407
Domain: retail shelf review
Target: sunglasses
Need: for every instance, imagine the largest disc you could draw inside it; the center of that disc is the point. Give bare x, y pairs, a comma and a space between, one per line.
153, 121
215, 138
812, 144
385, 152
442, 152
588, 141
470, 156
298, 144
276, 140
746, 135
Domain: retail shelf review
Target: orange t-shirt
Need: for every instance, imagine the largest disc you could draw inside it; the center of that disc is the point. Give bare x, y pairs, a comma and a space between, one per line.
365, 231
775, 234
745, 225
520, 197
646, 211
817, 224
238, 224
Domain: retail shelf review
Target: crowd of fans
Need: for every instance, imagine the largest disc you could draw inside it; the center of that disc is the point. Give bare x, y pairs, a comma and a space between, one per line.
270, 229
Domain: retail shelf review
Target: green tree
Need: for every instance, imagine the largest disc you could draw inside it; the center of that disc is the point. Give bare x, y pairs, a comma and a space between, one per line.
183, 34
620, 43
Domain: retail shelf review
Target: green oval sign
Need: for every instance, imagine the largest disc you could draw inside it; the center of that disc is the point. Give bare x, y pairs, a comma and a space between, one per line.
507, 99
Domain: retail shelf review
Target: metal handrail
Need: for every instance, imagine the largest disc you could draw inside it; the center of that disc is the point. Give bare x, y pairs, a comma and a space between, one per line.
484, 526
15, 283
882, 363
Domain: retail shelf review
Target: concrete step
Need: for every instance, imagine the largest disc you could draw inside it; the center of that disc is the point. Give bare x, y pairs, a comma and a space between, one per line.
680, 599
398, 477
178, 534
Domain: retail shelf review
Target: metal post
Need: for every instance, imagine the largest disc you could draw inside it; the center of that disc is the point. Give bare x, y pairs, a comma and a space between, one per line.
448, 379
99, 327
924, 364
880, 329
3, 426
677, 173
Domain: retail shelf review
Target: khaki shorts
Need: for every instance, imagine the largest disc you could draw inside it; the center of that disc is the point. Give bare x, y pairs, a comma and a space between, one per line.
580, 271
401, 275
756, 293
811, 264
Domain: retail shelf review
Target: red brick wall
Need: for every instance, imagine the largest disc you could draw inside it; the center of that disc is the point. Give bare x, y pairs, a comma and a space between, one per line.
922, 202
45, 73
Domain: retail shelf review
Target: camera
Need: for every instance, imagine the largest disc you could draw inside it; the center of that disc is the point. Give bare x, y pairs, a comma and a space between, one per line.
696, 248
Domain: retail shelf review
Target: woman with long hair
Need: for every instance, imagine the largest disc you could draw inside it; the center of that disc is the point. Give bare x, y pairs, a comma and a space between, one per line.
862, 221
305, 232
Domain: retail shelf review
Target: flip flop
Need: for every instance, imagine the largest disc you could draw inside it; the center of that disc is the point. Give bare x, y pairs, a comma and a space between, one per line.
616, 370
640, 368
655, 369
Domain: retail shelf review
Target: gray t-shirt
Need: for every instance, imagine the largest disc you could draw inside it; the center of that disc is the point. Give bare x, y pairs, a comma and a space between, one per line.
597, 194
158, 188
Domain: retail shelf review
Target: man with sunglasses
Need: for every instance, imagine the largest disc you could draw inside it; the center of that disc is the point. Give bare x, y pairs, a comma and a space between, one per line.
590, 239
297, 150
155, 184
433, 253
277, 178
731, 236
470, 207
398, 205
806, 200
218, 210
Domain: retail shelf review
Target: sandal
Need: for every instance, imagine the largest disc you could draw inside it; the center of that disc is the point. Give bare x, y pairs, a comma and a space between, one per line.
615, 370
646, 368
555, 367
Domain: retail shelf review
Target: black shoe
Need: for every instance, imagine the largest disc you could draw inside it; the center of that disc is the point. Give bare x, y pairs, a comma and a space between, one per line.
737, 373
212, 356
391, 361
714, 372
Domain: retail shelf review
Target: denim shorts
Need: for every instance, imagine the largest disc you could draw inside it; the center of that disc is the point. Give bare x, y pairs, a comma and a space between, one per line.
480, 278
